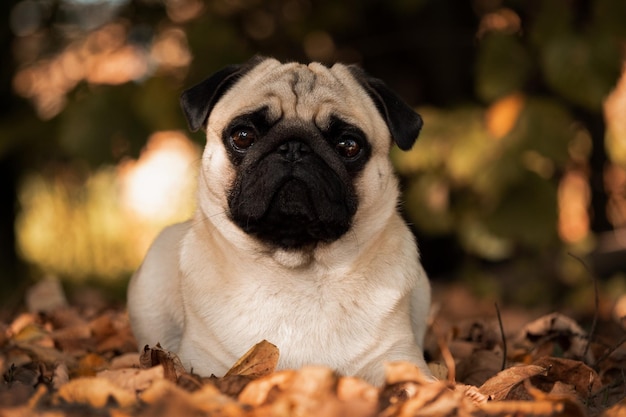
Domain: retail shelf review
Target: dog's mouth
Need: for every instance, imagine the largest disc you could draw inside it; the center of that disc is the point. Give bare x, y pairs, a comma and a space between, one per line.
292, 221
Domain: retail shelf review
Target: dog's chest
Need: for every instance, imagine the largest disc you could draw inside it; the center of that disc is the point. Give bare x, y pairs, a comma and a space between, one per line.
311, 321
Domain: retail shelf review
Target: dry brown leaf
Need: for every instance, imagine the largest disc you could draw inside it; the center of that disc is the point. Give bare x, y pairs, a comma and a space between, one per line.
47, 295
96, 392
166, 399
213, 403
66, 317
314, 382
133, 380
153, 356
312, 392
259, 361
498, 387
479, 367
400, 371
523, 408
90, 364
357, 396
472, 393
102, 326
15, 394
439, 370
584, 379
563, 389
556, 327
46, 354
75, 340
125, 360
231, 385
436, 398
258, 391
355, 389
33, 333
19, 322
571, 406
61, 376
160, 389
66, 334
122, 341
617, 410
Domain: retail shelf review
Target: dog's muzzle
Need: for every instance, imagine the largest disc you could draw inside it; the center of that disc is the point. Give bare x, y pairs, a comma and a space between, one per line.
291, 197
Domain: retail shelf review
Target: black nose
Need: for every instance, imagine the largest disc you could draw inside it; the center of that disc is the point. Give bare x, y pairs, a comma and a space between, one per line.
293, 150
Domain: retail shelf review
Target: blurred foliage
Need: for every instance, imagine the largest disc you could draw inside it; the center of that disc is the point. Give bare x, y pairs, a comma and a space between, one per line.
490, 183
75, 230
87, 225
513, 94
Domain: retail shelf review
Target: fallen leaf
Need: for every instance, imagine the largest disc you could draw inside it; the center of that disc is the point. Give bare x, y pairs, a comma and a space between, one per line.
96, 392
258, 391
400, 371
585, 380
232, 384
312, 392
259, 361
133, 380
523, 408
161, 389
172, 366
498, 387
164, 398
561, 329
47, 295
61, 376
19, 322
314, 382
46, 354
571, 406
617, 410
356, 389
90, 364
213, 403
436, 398
34, 334
14, 394
439, 370
479, 367
126, 360
357, 396
472, 393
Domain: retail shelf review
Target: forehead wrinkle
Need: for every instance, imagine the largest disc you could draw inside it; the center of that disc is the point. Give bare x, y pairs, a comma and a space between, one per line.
317, 92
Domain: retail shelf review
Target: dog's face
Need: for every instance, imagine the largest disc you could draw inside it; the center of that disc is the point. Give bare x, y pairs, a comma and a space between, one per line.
297, 155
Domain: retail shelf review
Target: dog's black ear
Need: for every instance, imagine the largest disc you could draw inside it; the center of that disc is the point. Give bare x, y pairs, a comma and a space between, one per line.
403, 122
198, 101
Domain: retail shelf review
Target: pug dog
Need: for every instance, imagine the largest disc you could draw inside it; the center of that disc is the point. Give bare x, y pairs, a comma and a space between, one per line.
296, 238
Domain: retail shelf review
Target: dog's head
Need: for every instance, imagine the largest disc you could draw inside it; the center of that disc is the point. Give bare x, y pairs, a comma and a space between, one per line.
296, 153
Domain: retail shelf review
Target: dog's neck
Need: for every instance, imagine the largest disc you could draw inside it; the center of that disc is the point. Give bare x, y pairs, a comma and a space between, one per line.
337, 255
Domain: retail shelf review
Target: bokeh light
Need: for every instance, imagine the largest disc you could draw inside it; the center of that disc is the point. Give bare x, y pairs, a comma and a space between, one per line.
101, 226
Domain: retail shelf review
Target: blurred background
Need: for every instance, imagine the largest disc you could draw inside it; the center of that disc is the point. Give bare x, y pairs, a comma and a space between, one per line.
516, 187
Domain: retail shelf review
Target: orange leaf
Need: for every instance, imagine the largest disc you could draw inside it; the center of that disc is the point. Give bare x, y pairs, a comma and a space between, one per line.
499, 386
259, 361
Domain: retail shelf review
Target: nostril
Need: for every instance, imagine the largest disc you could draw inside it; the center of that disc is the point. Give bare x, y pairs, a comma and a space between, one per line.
293, 150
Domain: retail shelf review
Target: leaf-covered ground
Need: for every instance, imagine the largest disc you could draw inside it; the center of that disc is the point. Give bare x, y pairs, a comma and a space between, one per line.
80, 358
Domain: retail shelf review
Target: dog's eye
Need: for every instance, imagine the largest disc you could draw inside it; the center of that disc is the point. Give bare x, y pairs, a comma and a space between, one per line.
348, 147
243, 138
